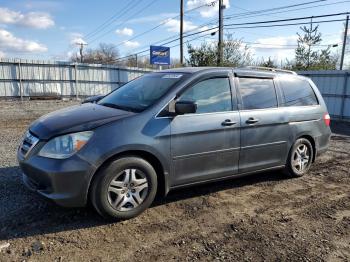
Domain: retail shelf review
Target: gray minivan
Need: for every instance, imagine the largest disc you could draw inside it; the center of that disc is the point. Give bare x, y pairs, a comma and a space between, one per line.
171, 129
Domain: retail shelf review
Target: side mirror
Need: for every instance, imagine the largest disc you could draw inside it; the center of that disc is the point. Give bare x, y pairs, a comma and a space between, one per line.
92, 99
185, 107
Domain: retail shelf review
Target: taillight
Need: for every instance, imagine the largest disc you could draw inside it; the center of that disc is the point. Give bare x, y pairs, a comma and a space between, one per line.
327, 119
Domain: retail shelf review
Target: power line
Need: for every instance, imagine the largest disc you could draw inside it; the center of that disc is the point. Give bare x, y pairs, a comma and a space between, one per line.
251, 13
210, 23
252, 23
164, 22
110, 20
146, 50
125, 21
289, 19
279, 45
240, 16
276, 8
289, 24
258, 26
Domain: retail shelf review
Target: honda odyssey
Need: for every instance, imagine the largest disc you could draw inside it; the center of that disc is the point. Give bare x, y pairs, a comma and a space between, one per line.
171, 129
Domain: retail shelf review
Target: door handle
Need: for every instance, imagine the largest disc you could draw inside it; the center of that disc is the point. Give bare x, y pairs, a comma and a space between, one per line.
228, 122
252, 120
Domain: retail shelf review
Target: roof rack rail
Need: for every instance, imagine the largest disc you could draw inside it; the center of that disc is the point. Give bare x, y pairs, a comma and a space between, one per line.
262, 68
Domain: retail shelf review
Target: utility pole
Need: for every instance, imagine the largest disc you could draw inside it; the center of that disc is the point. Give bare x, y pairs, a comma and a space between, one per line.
344, 43
81, 51
181, 31
221, 31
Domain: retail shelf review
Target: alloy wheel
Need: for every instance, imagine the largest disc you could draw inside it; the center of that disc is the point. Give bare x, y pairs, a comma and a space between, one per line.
301, 158
127, 190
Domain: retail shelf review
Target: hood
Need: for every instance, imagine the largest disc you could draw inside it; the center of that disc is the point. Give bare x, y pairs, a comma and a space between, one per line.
74, 119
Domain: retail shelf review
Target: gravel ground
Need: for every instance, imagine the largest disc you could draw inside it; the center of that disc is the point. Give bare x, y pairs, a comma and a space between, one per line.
262, 217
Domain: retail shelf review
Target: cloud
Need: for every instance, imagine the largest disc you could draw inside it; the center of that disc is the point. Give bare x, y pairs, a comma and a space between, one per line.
39, 20
125, 31
173, 25
152, 18
278, 42
279, 47
8, 42
2, 54
210, 9
43, 5
131, 44
76, 38
334, 38
282, 47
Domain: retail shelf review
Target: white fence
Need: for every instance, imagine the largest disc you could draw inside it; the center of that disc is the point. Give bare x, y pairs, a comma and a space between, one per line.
335, 88
28, 78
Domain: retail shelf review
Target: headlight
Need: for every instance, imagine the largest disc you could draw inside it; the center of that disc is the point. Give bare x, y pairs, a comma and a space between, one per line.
65, 146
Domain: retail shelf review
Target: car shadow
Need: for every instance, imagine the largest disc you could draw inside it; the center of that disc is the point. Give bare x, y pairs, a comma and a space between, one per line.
24, 213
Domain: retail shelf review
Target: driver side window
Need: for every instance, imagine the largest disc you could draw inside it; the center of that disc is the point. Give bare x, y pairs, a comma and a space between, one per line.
211, 95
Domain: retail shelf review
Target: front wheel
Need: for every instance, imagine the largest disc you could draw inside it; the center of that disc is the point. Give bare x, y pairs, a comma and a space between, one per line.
124, 189
300, 158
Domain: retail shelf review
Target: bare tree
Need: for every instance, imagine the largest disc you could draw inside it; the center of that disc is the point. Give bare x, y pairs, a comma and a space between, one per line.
103, 54
266, 63
235, 53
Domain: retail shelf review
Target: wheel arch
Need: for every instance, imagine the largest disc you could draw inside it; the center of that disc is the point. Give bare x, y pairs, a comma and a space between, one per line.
162, 175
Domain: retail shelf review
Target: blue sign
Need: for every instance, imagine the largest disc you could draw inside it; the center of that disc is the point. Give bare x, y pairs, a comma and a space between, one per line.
160, 55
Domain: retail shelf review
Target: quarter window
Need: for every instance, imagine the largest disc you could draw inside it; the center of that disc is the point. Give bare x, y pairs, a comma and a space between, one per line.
211, 95
297, 92
257, 93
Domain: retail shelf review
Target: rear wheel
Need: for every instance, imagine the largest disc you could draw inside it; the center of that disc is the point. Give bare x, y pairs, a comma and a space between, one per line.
125, 188
300, 158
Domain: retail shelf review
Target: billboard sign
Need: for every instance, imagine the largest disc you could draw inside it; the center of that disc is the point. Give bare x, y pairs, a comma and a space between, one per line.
160, 55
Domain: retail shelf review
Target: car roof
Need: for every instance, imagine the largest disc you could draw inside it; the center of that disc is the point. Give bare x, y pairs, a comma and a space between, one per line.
238, 71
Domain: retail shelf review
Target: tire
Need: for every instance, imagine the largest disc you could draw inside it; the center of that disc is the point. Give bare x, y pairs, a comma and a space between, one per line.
124, 189
299, 161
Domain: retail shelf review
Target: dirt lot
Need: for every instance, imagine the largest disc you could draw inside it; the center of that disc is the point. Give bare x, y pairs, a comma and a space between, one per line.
261, 217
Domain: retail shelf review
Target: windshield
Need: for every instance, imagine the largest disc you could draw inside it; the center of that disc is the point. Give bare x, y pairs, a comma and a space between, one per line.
142, 92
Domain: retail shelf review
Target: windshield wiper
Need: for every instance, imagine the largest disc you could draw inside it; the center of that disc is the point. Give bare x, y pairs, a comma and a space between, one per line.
124, 108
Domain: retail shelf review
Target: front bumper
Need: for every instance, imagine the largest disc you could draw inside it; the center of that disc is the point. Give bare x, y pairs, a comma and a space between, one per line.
65, 181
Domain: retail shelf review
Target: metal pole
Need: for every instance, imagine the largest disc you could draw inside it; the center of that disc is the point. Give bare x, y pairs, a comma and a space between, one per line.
20, 80
81, 52
221, 32
344, 43
181, 31
76, 80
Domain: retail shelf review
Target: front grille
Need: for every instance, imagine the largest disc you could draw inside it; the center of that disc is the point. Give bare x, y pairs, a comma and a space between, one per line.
29, 141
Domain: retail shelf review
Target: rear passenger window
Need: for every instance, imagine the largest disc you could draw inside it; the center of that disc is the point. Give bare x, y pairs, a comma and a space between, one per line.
257, 93
297, 92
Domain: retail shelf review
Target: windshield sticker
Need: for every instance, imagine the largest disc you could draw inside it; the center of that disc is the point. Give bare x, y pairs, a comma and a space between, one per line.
172, 76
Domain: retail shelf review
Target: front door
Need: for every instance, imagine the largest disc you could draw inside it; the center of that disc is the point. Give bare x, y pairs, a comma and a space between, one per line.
205, 145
